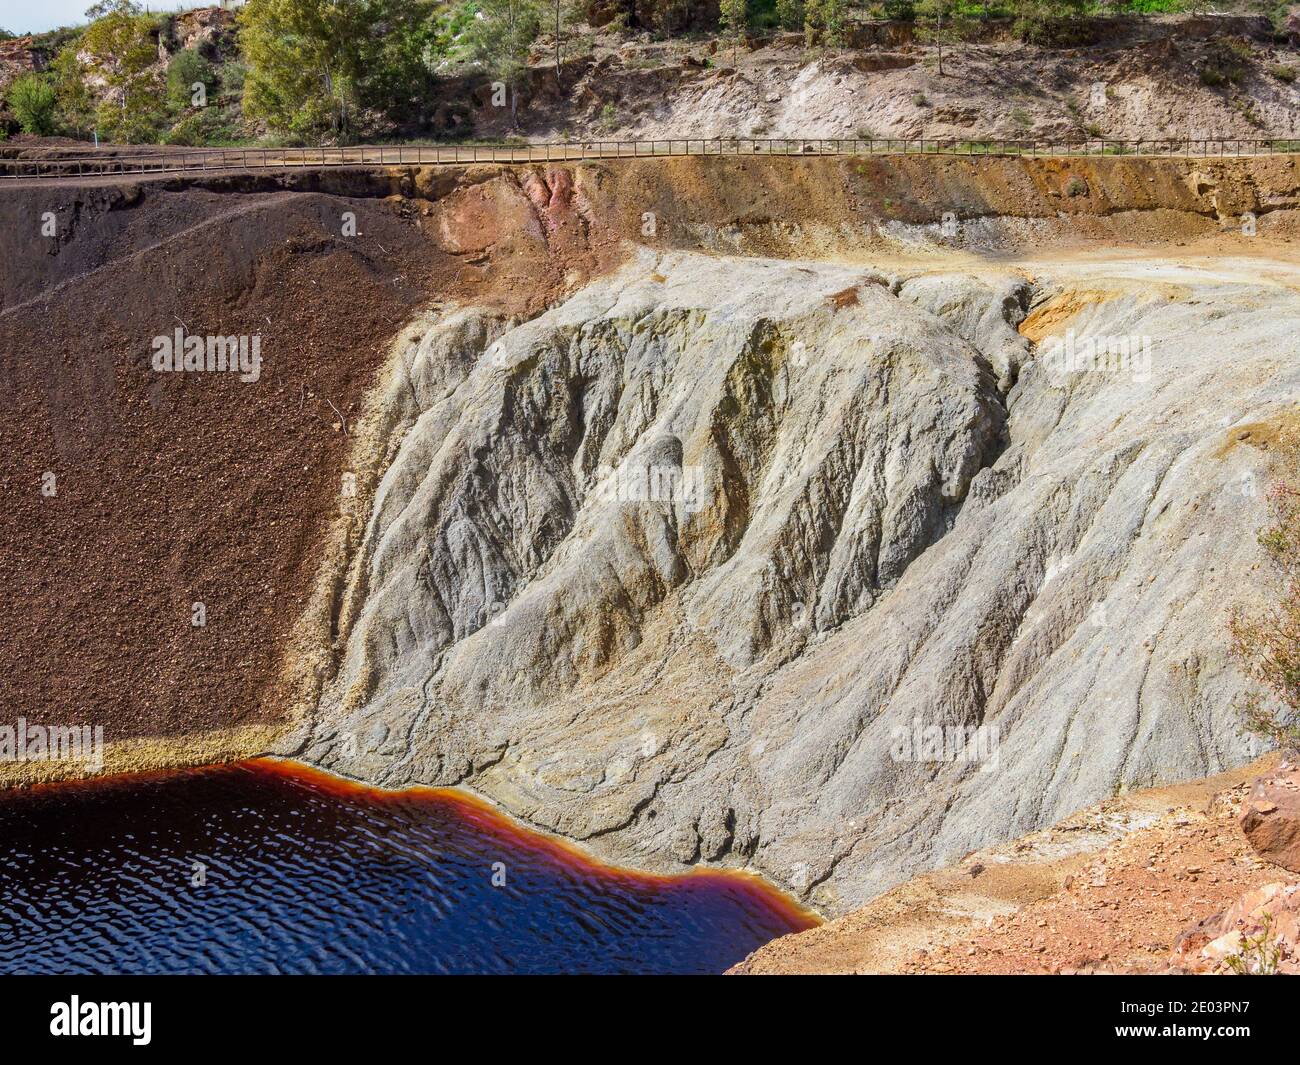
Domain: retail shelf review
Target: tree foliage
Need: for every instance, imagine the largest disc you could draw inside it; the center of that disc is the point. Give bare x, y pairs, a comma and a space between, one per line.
734, 19
1035, 18
32, 100
826, 22
119, 50
942, 23
186, 70
789, 14
76, 104
314, 64
500, 39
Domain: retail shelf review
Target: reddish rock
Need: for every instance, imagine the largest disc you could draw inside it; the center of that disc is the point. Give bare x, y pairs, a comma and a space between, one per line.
1260, 932
18, 57
1270, 817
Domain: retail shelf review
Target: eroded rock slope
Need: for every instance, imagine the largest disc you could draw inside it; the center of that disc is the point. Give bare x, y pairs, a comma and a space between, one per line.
667, 568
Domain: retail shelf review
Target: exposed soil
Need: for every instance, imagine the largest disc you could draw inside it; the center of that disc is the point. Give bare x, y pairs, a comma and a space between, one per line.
176, 489
1109, 889
1182, 76
181, 489
186, 488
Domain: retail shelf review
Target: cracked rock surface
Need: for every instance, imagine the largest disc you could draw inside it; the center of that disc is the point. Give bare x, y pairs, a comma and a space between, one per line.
671, 567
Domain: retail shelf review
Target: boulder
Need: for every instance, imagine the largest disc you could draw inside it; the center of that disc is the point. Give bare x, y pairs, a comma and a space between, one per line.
1270, 817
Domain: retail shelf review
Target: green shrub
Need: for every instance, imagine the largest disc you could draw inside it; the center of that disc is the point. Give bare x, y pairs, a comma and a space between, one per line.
209, 126
232, 78
1227, 61
32, 100
186, 70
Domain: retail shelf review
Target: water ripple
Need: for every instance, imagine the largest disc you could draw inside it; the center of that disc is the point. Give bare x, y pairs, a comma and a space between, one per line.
258, 868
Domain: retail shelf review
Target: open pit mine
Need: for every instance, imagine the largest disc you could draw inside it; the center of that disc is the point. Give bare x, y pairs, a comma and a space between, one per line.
826, 519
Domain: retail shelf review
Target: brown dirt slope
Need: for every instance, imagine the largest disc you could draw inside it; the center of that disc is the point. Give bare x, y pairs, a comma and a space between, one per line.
175, 489
1108, 889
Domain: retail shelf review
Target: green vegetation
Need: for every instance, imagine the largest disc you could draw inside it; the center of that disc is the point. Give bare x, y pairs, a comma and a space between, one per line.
119, 49
314, 66
789, 14
190, 80
941, 22
825, 22
1040, 21
32, 100
733, 18
1225, 63
338, 71
500, 40
1259, 954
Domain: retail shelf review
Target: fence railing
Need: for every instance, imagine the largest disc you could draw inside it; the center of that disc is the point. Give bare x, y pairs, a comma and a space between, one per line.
91, 162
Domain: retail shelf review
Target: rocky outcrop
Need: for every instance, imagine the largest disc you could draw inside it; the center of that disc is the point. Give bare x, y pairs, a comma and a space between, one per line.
1139, 883
682, 566
1270, 818
18, 57
1258, 935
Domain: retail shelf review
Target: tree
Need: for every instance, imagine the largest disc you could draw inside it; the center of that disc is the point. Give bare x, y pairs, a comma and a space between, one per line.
1035, 18
825, 21
558, 38
119, 50
500, 39
941, 22
789, 13
397, 59
32, 100
734, 19
1267, 641
671, 15
313, 65
304, 59
76, 105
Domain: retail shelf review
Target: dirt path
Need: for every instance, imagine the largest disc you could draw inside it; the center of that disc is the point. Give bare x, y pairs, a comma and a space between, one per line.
126, 161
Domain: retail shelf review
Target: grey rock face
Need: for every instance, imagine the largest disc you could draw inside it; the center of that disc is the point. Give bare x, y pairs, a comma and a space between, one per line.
676, 567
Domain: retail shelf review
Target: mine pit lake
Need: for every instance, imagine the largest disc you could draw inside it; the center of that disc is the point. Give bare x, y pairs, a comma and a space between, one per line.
270, 867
